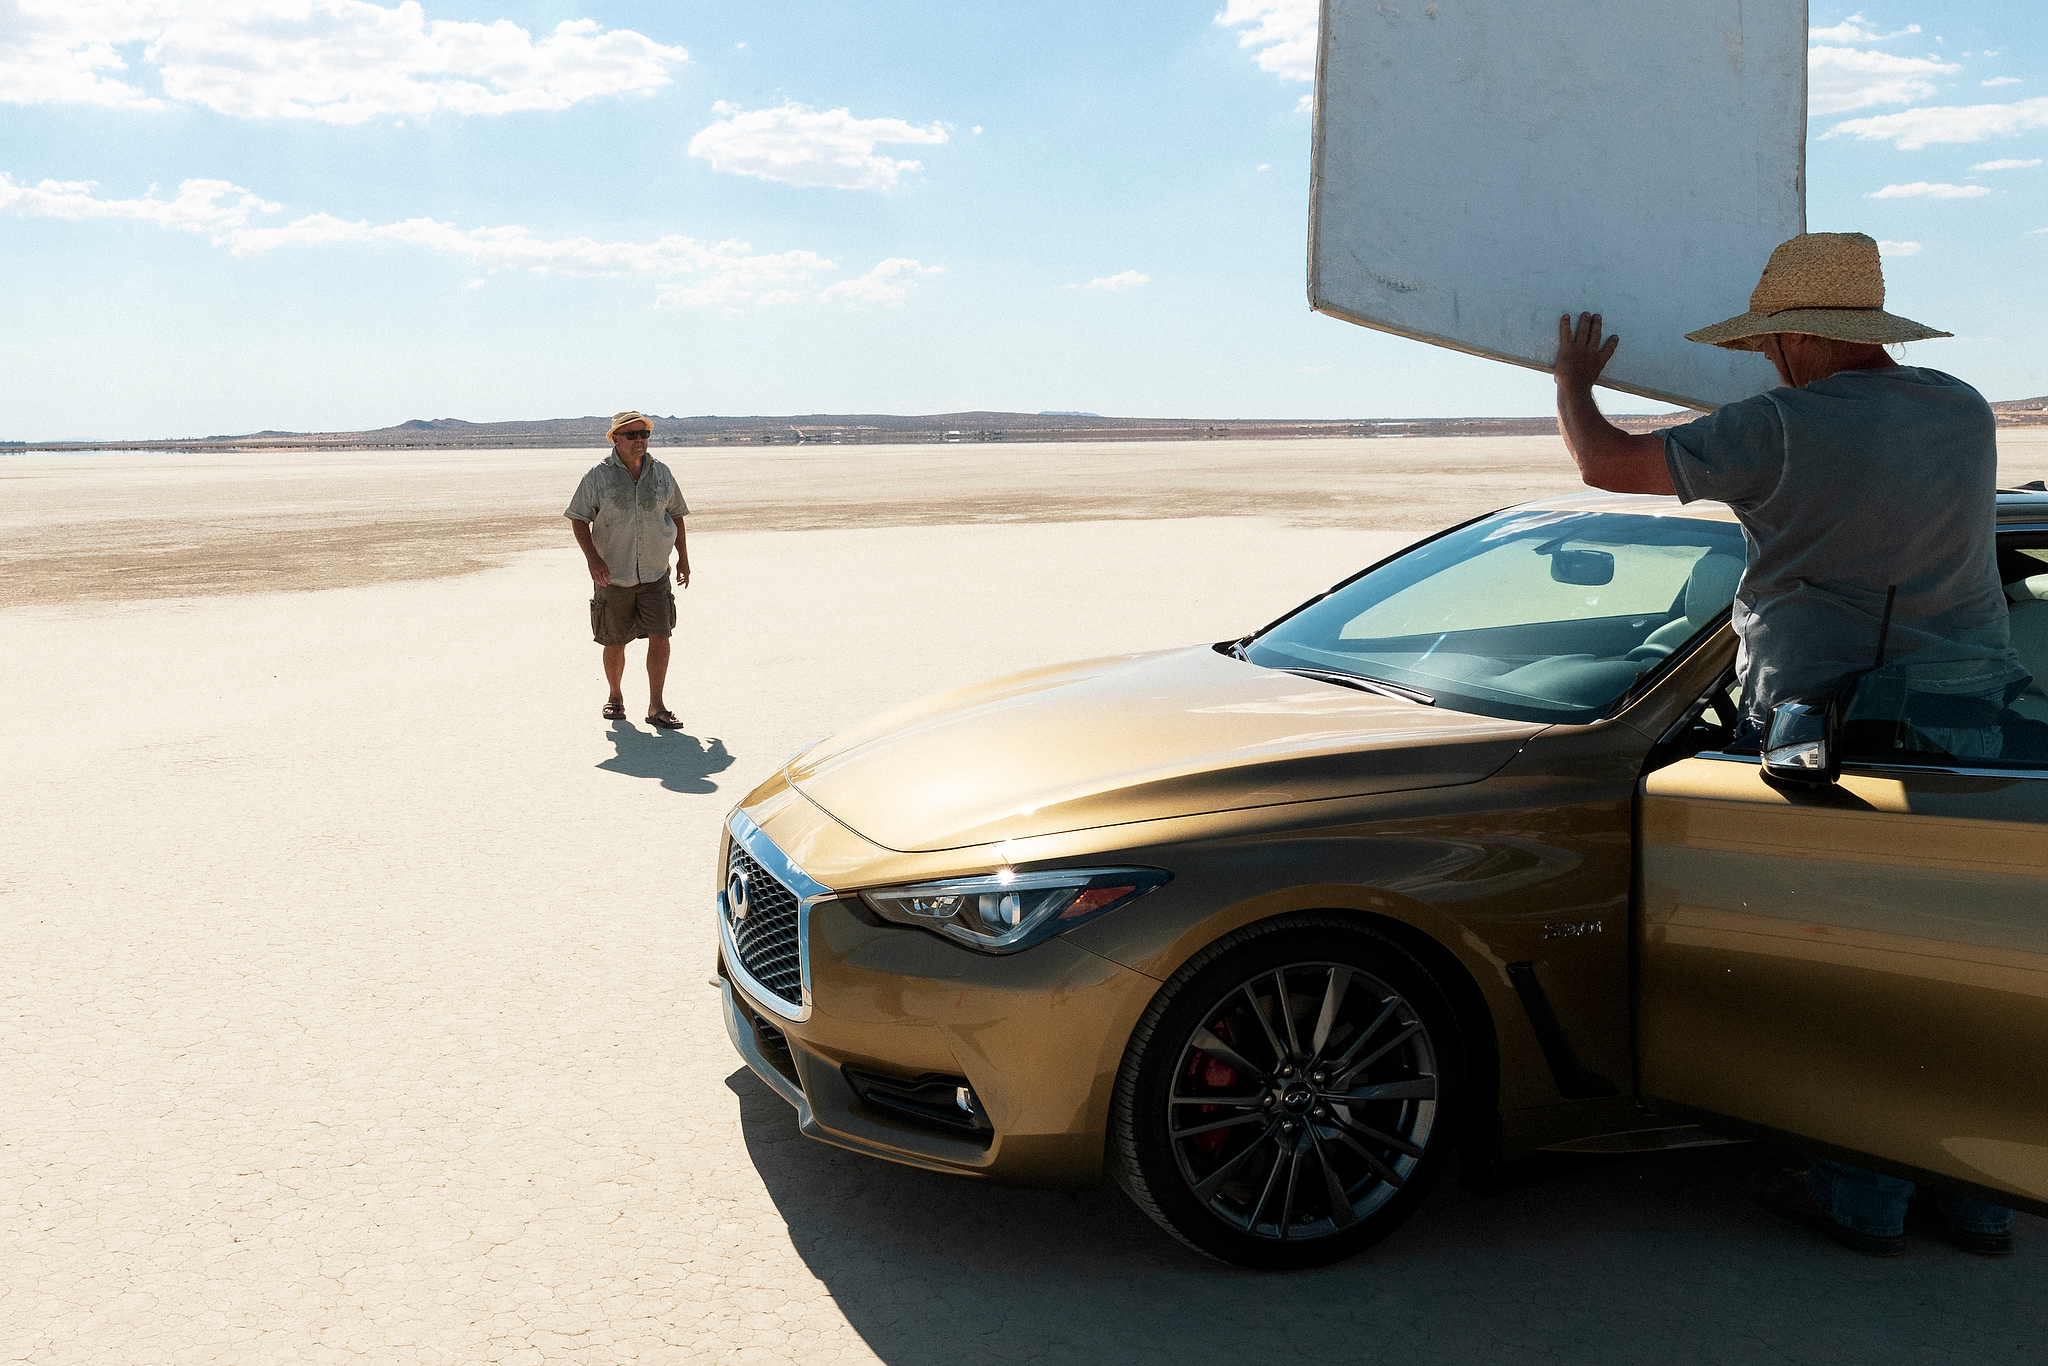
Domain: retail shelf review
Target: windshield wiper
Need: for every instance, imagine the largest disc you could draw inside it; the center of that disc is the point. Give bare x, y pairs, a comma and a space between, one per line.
1364, 684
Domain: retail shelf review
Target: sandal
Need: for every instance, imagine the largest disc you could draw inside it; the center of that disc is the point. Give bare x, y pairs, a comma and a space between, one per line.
615, 711
665, 719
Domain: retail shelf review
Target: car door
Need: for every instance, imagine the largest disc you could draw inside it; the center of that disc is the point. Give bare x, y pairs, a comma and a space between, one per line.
1862, 967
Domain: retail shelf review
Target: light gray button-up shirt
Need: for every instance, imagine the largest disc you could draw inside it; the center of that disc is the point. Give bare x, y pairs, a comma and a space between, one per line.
633, 525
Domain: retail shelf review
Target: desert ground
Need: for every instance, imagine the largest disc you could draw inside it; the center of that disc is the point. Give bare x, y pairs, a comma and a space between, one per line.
354, 1002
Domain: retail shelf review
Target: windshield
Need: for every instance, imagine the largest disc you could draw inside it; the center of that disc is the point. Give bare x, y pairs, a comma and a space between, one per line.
1534, 616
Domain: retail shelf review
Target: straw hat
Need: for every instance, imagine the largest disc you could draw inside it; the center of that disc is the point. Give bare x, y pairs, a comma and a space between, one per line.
1824, 284
621, 419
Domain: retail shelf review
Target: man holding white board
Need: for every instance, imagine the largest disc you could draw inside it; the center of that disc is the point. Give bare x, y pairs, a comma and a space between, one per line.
1866, 491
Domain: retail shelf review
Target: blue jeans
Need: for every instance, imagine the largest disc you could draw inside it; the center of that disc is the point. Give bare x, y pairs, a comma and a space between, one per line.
1876, 1205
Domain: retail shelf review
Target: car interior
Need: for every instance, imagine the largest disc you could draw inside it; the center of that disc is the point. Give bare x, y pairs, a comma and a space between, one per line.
2025, 572
1603, 658
1528, 633
1909, 736
1549, 668
1514, 643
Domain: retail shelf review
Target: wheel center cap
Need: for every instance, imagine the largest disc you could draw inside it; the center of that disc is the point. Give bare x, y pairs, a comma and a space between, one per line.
1297, 1098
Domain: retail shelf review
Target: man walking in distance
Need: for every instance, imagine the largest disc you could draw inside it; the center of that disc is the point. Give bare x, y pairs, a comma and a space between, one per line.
1864, 487
626, 514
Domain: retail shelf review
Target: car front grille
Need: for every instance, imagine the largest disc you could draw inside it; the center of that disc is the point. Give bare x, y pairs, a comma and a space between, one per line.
767, 940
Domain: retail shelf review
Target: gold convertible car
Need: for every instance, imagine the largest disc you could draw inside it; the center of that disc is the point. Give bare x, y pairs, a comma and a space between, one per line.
1451, 859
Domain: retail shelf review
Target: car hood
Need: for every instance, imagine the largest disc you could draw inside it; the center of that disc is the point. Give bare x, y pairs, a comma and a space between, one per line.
1133, 738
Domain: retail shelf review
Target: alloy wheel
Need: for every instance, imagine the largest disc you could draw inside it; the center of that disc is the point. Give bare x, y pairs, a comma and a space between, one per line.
1303, 1101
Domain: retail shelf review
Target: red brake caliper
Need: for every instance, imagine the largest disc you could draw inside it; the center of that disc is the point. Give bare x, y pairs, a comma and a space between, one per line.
1213, 1074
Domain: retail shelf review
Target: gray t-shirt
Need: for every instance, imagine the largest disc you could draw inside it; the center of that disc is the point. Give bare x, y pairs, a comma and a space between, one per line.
1849, 485
632, 522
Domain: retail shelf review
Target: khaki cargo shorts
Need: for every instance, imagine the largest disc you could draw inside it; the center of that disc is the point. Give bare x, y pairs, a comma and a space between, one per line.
620, 615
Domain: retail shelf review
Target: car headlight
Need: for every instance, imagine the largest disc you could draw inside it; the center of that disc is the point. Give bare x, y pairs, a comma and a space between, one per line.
1008, 911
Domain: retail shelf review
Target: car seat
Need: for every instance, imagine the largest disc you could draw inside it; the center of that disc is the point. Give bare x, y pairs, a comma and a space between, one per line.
1708, 591
2027, 609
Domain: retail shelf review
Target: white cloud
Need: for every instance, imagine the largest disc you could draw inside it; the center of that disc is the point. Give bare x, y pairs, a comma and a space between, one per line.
887, 283
687, 272
2003, 80
691, 272
201, 205
802, 146
1853, 30
1898, 248
2008, 164
1839, 79
1920, 189
333, 61
1123, 279
1912, 129
731, 273
62, 51
1281, 34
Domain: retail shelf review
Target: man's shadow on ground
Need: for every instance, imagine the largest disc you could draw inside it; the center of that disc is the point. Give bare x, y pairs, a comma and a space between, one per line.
682, 762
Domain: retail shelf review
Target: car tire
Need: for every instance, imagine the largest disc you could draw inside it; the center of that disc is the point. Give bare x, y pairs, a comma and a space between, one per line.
1329, 1121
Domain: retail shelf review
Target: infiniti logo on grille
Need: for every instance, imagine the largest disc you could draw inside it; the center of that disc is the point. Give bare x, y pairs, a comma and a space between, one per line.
736, 895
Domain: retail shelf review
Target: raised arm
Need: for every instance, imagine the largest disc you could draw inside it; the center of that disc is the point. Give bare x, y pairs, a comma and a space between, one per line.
1608, 457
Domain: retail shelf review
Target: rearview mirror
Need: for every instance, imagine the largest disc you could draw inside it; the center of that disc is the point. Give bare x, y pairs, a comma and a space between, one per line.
1803, 744
1589, 568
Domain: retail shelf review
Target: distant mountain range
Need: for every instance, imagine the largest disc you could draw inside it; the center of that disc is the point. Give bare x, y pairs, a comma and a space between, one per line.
815, 428
892, 429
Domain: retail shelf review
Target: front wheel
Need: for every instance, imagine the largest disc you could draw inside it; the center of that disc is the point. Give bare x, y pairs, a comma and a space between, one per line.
1289, 1095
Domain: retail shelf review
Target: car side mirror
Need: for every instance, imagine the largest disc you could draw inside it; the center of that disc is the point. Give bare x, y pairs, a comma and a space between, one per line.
1803, 744
1589, 568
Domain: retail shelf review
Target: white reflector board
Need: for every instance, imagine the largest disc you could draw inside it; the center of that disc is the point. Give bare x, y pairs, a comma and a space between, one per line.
1482, 166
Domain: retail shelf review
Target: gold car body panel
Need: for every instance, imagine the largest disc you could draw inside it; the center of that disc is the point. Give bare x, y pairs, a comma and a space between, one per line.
1117, 741
1865, 966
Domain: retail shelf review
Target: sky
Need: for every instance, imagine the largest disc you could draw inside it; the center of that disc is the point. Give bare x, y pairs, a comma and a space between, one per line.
222, 216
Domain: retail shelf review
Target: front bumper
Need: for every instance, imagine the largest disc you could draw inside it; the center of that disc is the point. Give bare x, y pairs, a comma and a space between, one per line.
796, 1074
1037, 1036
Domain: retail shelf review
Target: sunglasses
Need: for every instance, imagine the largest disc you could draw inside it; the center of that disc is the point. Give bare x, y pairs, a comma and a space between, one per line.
634, 435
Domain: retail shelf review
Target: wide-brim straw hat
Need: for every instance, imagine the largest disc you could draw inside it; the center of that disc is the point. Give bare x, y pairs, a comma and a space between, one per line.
621, 419
1823, 284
